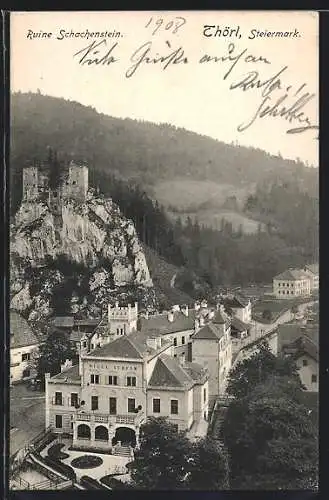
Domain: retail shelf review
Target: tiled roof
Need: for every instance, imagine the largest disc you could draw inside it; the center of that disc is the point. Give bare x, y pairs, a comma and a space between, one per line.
236, 302
209, 331
162, 325
63, 321
132, 346
221, 318
304, 345
168, 372
68, 375
239, 325
290, 332
21, 334
292, 275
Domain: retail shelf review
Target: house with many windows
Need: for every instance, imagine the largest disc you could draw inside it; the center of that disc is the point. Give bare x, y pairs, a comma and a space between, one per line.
103, 400
313, 271
23, 349
292, 283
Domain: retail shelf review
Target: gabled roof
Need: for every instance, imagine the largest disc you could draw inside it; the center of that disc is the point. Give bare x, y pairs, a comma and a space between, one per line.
221, 318
68, 375
162, 325
239, 325
168, 372
21, 334
209, 331
291, 275
236, 302
290, 332
302, 346
133, 346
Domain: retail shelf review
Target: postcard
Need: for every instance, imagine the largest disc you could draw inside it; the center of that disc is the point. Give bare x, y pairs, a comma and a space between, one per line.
164, 276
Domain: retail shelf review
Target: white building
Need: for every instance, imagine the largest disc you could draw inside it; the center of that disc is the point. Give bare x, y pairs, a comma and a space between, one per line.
292, 283
23, 349
104, 400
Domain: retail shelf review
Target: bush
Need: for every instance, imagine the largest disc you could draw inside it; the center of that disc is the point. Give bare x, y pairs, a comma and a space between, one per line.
115, 483
91, 483
87, 462
55, 452
58, 466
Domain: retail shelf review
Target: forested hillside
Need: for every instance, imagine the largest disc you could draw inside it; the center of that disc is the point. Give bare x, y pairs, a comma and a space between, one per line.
137, 150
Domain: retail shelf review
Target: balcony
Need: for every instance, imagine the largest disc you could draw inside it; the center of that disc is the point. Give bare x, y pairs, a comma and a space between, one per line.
133, 419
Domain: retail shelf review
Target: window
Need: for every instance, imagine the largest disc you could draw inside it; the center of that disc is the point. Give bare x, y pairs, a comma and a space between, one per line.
58, 421
26, 373
94, 402
156, 405
113, 380
174, 407
84, 344
183, 340
175, 342
175, 426
305, 362
204, 395
94, 379
92, 346
113, 406
74, 183
58, 399
26, 356
314, 379
74, 399
131, 405
131, 381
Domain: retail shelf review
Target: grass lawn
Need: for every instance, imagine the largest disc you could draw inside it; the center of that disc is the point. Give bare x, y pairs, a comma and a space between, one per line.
276, 306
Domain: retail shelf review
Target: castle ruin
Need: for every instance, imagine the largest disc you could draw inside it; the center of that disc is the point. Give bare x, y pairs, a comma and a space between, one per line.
73, 183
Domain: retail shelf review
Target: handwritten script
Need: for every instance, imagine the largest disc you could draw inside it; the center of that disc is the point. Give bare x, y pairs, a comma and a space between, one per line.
277, 98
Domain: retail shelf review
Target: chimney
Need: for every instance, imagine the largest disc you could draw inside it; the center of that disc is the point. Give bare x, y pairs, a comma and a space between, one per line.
211, 314
146, 314
184, 310
67, 364
201, 320
222, 308
196, 323
116, 303
170, 316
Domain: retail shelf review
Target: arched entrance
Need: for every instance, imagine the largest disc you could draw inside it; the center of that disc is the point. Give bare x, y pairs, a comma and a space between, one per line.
101, 433
126, 435
84, 431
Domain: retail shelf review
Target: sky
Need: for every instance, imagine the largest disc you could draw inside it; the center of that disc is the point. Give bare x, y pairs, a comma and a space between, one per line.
212, 98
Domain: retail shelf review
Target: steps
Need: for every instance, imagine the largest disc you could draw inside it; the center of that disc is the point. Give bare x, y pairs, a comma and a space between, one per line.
122, 450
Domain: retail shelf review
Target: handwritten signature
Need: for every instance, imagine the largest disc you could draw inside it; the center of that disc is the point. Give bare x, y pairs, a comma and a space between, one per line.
278, 106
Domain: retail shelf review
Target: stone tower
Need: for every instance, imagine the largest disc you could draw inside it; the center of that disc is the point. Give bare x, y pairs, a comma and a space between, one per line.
122, 320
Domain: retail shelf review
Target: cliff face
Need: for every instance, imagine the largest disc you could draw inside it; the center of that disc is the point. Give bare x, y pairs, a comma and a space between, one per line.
84, 252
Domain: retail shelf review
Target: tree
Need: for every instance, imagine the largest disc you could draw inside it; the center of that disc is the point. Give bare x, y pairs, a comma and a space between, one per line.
257, 369
267, 315
271, 438
53, 353
208, 466
161, 463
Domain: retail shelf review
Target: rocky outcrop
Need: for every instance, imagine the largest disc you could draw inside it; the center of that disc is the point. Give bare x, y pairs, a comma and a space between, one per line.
89, 247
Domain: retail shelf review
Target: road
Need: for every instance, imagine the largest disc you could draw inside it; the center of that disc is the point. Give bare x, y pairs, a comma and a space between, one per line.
27, 415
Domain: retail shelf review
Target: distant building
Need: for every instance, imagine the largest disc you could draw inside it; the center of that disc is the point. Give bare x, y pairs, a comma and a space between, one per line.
239, 307
23, 348
103, 401
313, 271
292, 283
212, 348
301, 342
